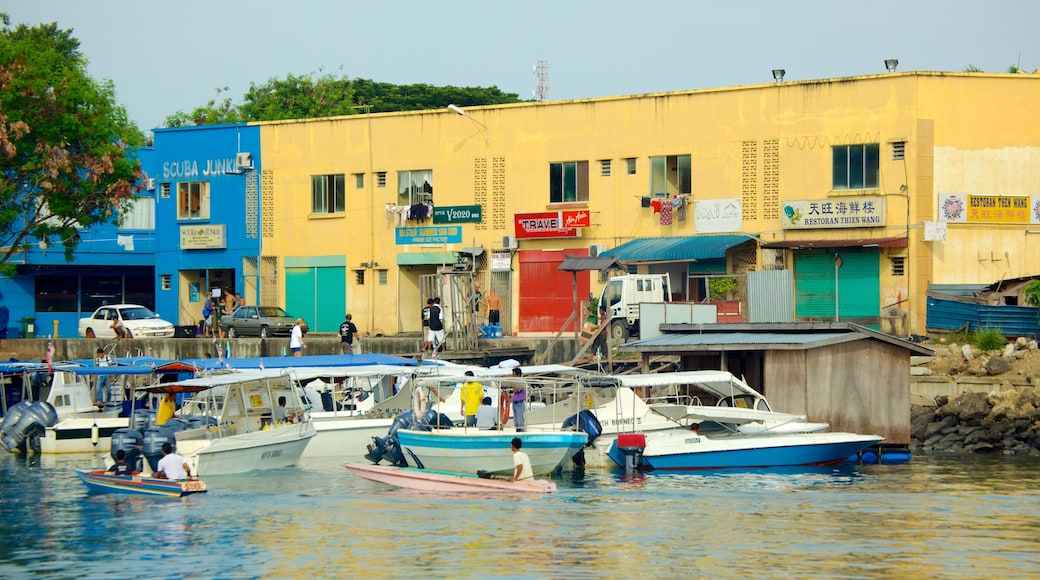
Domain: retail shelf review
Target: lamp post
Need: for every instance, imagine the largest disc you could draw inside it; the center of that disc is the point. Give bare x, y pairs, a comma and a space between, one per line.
837, 266
465, 114
778, 74
891, 64
372, 220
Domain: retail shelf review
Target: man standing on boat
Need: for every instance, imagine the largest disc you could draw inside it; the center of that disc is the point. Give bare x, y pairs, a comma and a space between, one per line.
519, 400
471, 394
172, 466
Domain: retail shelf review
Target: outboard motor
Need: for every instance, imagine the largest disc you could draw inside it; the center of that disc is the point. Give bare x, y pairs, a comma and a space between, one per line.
154, 437
130, 442
33, 420
586, 421
177, 424
388, 447
14, 414
631, 446
143, 419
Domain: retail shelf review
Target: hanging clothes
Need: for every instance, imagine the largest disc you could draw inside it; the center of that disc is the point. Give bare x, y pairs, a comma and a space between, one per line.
666, 214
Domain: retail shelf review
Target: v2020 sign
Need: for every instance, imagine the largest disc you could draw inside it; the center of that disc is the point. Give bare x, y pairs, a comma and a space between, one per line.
457, 214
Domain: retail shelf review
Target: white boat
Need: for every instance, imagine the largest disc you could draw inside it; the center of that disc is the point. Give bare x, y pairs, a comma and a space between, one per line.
230, 425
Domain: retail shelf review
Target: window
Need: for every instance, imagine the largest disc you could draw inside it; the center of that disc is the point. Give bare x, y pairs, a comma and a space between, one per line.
138, 214
898, 150
164, 281
569, 182
193, 200
359, 277
856, 166
630, 165
382, 277
327, 195
670, 175
414, 186
381, 179
164, 190
359, 181
604, 167
57, 294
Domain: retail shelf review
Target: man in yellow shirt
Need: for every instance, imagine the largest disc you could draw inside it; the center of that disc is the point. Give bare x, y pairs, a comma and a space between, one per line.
471, 395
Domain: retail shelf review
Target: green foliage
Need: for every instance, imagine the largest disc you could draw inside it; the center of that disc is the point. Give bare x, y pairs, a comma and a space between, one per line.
63, 142
973, 69
989, 339
718, 288
1032, 294
592, 311
325, 95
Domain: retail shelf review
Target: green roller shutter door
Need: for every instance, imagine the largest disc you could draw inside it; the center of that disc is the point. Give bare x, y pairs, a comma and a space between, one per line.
858, 281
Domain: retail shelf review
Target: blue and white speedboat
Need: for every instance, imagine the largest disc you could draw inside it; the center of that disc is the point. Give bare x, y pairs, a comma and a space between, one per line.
459, 450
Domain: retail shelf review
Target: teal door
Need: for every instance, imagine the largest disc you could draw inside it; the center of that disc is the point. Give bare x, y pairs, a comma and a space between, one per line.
857, 277
318, 295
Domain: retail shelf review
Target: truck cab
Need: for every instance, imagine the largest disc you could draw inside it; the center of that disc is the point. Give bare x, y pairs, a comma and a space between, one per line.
620, 299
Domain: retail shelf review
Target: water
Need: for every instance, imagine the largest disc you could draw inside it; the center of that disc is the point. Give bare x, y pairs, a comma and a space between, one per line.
934, 517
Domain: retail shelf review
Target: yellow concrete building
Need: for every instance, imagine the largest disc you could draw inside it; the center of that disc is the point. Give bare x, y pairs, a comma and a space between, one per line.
829, 199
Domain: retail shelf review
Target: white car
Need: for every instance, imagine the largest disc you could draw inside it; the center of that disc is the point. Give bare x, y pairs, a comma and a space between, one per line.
140, 322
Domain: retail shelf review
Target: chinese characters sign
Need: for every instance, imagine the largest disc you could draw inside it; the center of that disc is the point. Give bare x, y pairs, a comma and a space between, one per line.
550, 224
845, 212
428, 235
1002, 209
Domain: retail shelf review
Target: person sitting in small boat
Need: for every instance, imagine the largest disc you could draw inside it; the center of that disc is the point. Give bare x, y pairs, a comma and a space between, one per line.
487, 418
172, 466
120, 467
521, 461
279, 414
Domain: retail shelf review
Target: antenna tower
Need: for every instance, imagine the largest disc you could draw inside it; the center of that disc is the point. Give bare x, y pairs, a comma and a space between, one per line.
541, 73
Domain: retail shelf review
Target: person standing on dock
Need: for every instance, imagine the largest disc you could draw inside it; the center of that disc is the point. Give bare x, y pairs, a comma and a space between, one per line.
347, 330
296, 344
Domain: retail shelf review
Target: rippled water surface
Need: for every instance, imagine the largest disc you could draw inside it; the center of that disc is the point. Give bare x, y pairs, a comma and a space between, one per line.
932, 518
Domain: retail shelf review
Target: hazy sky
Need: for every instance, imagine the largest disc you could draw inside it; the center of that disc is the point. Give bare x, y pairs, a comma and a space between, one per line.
173, 55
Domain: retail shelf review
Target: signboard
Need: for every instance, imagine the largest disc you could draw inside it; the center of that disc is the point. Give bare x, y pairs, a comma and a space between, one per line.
717, 215
204, 237
866, 211
501, 261
457, 214
935, 231
549, 224
1000, 209
428, 235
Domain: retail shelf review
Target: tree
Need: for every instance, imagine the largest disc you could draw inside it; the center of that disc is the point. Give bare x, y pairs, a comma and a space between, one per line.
314, 95
1032, 294
63, 142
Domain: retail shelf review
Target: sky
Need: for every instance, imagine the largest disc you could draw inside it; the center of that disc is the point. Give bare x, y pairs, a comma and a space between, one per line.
172, 56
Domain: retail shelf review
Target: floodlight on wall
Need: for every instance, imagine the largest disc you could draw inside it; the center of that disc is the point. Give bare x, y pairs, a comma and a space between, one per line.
778, 74
891, 64
459, 111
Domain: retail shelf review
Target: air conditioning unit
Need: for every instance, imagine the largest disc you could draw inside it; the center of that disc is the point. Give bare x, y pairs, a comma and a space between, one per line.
509, 242
150, 184
244, 160
596, 249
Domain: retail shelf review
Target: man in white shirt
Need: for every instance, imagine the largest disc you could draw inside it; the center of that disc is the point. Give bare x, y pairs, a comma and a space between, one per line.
296, 344
521, 461
172, 466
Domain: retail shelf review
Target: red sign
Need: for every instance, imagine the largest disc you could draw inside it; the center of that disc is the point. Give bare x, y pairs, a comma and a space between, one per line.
576, 219
549, 224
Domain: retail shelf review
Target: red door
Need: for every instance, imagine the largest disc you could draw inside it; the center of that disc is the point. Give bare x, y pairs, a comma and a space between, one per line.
546, 294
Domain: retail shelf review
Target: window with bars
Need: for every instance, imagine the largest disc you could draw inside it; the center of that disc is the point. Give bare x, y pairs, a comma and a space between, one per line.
359, 277
630, 165
164, 190
898, 265
380, 179
164, 281
327, 194
898, 150
604, 167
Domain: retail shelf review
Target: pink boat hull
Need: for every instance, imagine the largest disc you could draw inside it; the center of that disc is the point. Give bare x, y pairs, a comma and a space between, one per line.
423, 480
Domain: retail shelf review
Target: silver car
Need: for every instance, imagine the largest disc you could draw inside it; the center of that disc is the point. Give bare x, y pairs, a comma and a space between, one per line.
262, 321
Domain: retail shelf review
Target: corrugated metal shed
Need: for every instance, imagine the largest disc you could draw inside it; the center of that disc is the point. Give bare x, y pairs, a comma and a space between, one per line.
740, 340
675, 249
968, 290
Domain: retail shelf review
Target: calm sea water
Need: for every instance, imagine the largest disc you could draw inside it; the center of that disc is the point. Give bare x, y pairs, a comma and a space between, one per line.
932, 518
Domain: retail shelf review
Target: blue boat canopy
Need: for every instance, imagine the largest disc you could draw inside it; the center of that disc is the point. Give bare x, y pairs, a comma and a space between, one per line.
676, 249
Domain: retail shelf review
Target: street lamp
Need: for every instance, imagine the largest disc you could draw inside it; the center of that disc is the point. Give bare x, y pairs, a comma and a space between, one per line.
465, 114
778, 74
891, 64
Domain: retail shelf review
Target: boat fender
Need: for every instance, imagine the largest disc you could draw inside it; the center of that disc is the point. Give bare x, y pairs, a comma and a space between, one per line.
95, 434
504, 403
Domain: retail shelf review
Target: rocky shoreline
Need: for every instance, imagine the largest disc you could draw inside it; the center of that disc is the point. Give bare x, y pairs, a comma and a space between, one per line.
1005, 421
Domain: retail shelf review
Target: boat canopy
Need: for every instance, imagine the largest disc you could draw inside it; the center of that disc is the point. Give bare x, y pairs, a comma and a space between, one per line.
719, 383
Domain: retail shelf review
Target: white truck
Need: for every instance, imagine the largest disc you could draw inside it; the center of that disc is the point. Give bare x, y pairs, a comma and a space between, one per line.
619, 301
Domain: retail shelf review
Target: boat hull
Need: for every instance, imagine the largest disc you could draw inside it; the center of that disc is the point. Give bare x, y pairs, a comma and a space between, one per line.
344, 436
103, 482
77, 435
458, 451
688, 450
258, 450
425, 480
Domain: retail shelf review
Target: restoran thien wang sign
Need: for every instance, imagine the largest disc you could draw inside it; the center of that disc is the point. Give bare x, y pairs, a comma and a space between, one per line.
865, 211
550, 224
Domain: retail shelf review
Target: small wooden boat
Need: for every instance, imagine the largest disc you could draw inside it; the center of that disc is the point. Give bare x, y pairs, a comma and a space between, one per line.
102, 481
426, 480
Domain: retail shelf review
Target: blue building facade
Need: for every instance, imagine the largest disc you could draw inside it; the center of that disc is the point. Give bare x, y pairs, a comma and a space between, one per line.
208, 217
111, 264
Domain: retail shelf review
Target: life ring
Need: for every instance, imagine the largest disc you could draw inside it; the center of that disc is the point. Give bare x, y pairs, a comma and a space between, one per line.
504, 401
